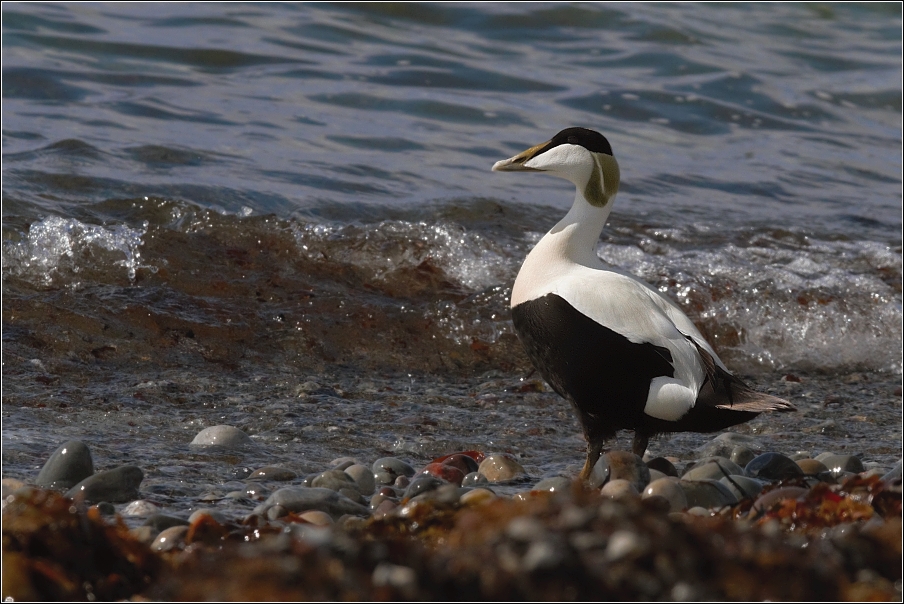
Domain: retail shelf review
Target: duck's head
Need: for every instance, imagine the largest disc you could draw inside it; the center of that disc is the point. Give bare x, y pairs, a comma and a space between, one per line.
577, 154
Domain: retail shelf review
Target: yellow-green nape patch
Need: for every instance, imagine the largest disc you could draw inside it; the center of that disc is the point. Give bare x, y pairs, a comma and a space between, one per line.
603, 183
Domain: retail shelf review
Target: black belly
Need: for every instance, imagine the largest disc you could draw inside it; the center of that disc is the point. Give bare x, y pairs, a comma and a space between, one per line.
604, 375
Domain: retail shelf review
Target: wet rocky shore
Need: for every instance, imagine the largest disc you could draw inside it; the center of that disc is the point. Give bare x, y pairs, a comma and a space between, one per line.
734, 523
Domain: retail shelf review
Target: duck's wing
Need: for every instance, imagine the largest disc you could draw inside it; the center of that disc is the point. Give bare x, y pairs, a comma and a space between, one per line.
722, 390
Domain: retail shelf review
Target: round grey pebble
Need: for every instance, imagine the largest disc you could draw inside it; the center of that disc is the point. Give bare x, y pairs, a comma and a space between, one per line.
554, 484
363, 477
619, 465
421, 484
742, 455
170, 539
401, 482
474, 479
118, 485
276, 512
663, 465
669, 488
707, 494
333, 480
842, 463
353, 494
161, 522
105, 508
772, 466
140, 507
223, 436
619, 488
342, 461
742, 487
714, 468
391, 467
447, 493
298, 499
67, 466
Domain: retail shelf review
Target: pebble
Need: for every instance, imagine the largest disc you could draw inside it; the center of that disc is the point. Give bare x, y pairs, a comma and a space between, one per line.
542, 555
386, 506
297, 499
445, 472
105, 508
223, 436
160, 522
620, 465
707, 493
661, 464
656, 475
334, 480
376, 500
842, 463
474, 479
501, 468
401, 482
741, 486
669, 488
170, 539
554, 484
345, 462
619, 488
386, 469
811, 467
273, 473
316, 517
70, 464
276, 512
118, 485
363, 477
772, 497
421, 484
712, 469
140, 507
741, 455
772, 466
463, 462
477, 496
353, 494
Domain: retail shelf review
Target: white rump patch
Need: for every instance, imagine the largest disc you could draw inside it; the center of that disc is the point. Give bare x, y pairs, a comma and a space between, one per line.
669, 399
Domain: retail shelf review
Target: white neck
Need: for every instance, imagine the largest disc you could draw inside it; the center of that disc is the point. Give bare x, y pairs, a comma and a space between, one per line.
572, 241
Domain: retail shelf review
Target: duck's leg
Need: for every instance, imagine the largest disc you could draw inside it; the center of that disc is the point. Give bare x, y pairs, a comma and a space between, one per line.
594, 449
641, 440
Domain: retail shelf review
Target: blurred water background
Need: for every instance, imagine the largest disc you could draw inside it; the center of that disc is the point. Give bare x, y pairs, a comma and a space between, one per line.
281, 217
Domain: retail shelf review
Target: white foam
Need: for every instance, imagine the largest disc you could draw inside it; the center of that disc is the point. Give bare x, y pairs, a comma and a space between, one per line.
822, 305
56, 249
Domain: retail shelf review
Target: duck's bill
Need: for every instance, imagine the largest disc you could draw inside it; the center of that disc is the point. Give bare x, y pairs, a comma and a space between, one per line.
516, 164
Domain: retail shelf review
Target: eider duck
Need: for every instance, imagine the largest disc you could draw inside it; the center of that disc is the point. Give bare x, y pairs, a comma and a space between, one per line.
625, 356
